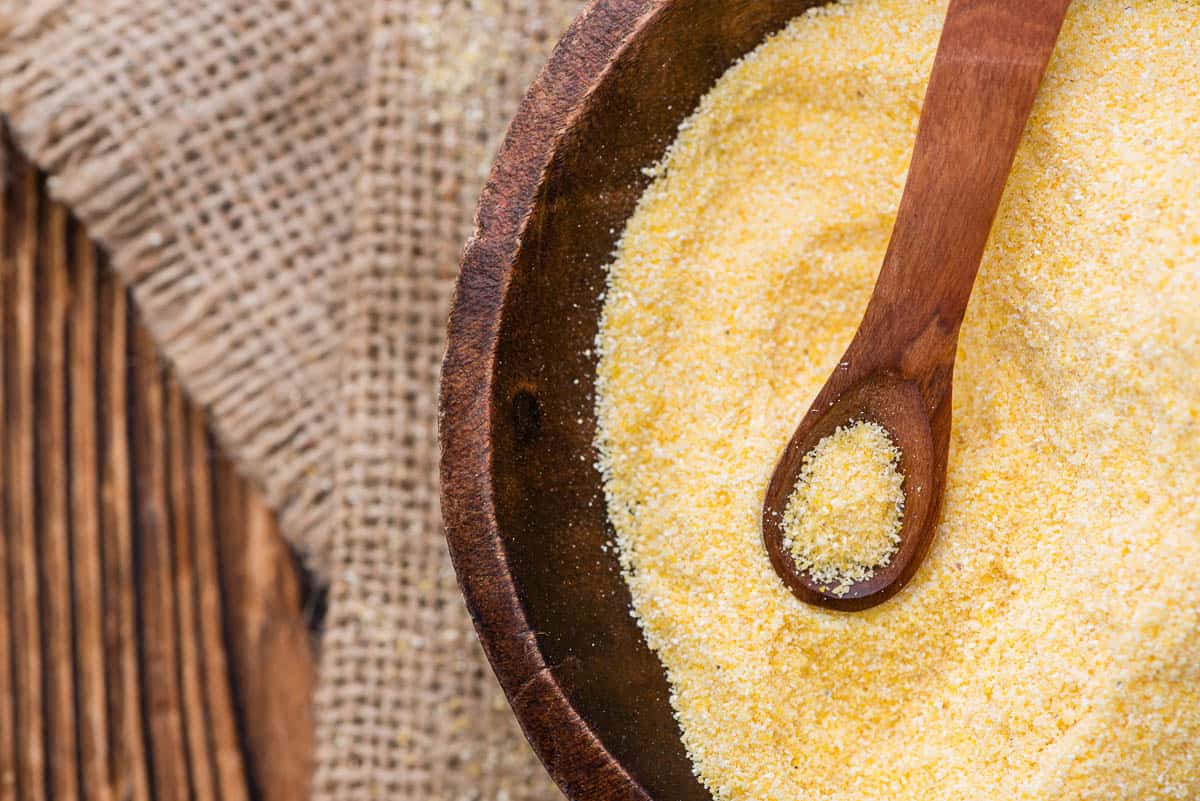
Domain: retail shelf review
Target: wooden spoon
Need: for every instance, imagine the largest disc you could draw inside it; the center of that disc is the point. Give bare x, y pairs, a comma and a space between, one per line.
898, 370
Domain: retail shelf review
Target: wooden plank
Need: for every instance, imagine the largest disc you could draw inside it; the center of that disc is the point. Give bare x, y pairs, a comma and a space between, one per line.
8, 766
86, 544
127, 770
153, 642
203, 771
270, 645
54, 505
23, 557
156, 599
231, 773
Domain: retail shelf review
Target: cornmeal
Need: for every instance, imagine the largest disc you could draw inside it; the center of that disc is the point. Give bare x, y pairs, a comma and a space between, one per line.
842, 520
1049, 646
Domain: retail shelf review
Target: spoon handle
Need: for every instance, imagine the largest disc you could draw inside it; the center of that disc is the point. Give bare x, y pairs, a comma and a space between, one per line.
986, 73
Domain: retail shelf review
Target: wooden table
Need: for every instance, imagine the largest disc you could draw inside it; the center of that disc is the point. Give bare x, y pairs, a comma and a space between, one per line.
155, 638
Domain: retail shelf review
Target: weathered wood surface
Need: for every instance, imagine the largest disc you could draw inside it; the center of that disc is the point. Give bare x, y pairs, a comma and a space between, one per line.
154, 629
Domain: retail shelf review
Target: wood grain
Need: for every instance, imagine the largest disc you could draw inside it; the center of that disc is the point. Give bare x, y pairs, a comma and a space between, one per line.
163, 709
191, 676
22, 533
218, 695
128, 772
263, 588
53, 298
8, 767
87, 563
154, 632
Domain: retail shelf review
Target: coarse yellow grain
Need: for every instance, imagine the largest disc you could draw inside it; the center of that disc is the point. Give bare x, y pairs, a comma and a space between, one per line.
842, 520
1048, 647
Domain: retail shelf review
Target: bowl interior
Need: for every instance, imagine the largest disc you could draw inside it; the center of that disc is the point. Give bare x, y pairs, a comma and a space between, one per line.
549, 502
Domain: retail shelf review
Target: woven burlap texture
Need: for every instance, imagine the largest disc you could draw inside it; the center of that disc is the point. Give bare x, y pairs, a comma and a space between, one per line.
286, 187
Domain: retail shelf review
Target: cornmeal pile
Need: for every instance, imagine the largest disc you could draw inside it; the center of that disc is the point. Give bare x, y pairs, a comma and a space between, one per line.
842, 521
1049, 646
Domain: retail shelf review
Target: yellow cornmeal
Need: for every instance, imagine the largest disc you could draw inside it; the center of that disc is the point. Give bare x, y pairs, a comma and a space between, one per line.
842, 521
1049, 646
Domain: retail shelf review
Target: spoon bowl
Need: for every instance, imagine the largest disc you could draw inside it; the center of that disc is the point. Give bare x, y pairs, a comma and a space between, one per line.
897, 405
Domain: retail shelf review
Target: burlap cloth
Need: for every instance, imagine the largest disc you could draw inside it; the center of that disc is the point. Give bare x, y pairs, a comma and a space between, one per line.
286, 186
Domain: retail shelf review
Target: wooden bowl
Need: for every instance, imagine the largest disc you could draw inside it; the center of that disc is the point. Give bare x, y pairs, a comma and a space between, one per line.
522, 499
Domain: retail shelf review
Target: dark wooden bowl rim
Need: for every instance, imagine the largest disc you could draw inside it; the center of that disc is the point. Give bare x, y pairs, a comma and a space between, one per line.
514, 195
